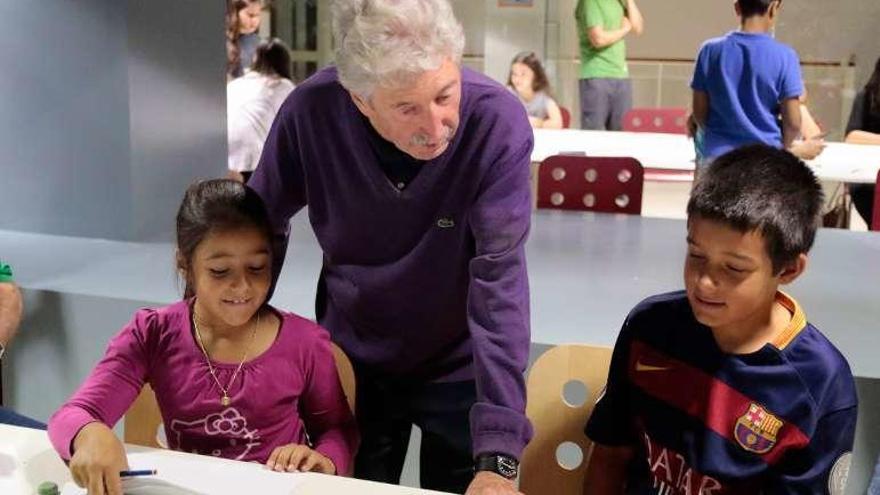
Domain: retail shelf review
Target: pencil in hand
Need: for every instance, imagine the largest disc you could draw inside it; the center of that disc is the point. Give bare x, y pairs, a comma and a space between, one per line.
139, 472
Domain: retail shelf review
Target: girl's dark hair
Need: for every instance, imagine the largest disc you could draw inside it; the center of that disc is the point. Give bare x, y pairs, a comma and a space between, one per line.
272, 59
529, 59
872, 92
211, 206
233, 52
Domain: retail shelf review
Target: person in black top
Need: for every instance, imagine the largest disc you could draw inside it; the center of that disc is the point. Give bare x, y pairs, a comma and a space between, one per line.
864, 128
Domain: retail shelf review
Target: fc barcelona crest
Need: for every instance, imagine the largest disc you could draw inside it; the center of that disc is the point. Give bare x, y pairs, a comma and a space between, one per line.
756, 430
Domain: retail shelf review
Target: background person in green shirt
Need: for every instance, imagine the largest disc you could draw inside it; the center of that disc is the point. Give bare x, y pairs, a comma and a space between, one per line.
605, 88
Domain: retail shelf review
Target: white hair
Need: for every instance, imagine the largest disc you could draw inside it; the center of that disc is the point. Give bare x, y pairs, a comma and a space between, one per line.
391, 42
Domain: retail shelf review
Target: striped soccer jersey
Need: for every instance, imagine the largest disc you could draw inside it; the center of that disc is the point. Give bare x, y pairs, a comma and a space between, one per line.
779, 420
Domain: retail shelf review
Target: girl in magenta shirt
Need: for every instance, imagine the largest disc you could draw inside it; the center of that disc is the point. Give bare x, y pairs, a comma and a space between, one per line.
233, 376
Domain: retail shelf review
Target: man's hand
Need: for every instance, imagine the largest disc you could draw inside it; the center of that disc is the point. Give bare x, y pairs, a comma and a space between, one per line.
10, 311
489, 483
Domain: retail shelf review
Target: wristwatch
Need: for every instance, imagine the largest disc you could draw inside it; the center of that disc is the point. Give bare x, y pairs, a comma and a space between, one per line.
2, 350
500, 464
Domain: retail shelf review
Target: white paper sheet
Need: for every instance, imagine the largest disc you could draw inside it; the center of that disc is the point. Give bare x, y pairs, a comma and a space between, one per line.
190, 475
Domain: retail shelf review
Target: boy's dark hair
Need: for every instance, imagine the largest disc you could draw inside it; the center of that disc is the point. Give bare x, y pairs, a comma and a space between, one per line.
211, 206
272, 59
763, 189
749, 8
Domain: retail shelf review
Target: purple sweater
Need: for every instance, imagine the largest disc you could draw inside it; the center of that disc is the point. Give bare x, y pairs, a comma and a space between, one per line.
290, 391
429, 282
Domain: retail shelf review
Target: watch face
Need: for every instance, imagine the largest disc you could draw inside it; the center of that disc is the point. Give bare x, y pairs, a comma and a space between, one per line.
507, 467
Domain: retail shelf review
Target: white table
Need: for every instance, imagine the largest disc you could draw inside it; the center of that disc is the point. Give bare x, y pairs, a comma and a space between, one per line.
852, 163
653, 150
27, 459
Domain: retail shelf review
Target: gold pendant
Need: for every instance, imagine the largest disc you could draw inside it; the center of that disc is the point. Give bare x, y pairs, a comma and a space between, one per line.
225, 400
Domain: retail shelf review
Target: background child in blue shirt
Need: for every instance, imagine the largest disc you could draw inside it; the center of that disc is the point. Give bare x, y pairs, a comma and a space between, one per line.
742, 81
725, 387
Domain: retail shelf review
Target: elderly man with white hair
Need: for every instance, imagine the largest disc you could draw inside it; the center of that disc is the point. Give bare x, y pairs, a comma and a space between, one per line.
415, 172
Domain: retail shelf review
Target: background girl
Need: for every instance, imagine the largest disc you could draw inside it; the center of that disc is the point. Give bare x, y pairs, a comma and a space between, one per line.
243, 19
529, 81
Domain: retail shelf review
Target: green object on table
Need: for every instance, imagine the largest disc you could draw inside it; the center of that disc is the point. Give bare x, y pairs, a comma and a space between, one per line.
47, 488
5, 272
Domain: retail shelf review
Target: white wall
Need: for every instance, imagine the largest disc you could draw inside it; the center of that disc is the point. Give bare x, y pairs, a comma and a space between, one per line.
819, 30
824, 31
511, 30
64, 117
108, 109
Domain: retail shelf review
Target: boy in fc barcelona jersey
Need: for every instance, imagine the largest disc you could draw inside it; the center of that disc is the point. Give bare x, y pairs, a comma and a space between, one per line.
725, 387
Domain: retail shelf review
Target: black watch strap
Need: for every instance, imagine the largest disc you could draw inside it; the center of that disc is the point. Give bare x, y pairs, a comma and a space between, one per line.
501, 464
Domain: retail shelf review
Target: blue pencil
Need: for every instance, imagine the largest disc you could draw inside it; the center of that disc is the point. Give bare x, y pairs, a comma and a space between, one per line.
140, 472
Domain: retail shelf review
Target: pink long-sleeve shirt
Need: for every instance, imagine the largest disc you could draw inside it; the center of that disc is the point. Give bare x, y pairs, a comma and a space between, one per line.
289, 394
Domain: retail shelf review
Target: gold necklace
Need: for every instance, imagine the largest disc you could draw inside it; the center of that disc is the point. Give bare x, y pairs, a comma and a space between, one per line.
225, 400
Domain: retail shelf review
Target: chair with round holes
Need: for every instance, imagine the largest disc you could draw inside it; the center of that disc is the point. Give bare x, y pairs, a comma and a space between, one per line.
566, 117
591, 183
142, 424
562, 387
670, 120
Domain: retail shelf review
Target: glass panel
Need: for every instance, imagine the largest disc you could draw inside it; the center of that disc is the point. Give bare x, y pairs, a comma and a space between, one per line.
304, 22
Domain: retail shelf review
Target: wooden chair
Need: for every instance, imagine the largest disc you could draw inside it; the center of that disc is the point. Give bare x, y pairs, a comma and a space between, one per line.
143, 419
875, 220
556, 420
566, 117
588, 183
664, 120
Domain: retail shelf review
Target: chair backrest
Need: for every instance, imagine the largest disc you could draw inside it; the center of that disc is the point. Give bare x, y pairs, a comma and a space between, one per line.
589, 183
566, 117
143, 420
665, 120
346, 374
558, 407
875, 221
